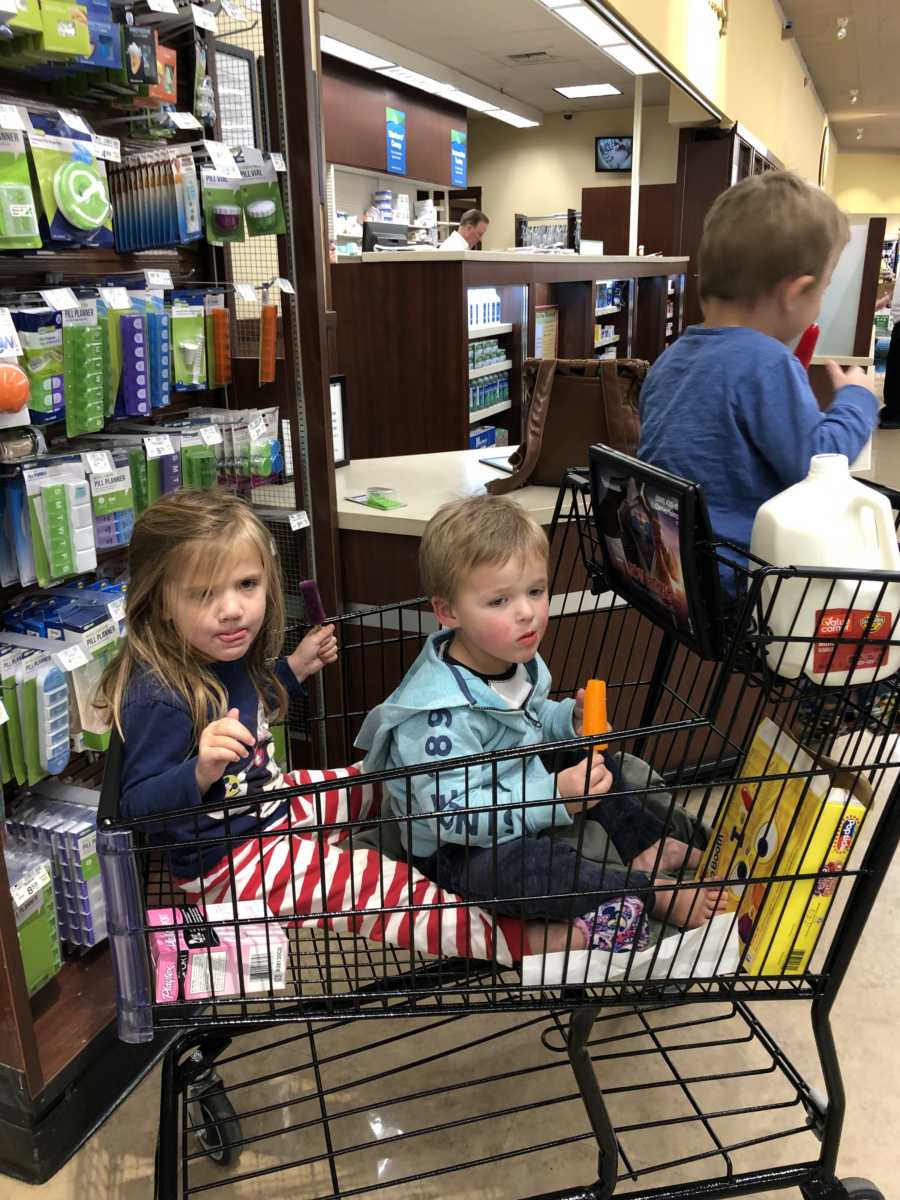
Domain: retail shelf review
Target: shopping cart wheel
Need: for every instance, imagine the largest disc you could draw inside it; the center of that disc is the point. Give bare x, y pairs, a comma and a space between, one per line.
861, 1189
219, 1130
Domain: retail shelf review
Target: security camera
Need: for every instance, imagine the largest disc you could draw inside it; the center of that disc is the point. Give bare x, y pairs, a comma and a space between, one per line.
787, 29
568, 116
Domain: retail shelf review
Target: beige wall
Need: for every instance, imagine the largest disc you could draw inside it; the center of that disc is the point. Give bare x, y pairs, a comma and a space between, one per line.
750, 74
541, 171
869, 183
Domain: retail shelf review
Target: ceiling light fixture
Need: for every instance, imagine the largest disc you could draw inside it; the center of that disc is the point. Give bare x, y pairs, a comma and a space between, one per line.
468, 101
415, 79
580, 91
350, 54
854, 95
631, 59
511, 118
586, 21
556, 3
842, 23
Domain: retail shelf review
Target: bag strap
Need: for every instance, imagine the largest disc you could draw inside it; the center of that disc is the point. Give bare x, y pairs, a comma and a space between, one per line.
526, 457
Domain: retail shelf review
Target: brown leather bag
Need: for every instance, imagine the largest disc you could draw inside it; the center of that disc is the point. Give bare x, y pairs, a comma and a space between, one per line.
569, 405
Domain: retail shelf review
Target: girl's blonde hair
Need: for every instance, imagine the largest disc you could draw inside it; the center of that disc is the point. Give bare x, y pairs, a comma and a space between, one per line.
189, 535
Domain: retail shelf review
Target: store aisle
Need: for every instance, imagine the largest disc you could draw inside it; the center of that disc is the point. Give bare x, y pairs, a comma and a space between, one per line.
117, 1163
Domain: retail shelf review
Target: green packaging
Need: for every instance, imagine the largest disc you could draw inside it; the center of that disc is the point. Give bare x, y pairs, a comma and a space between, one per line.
188, 333
261, 197
34, 904
222, 208
84, 367
18, 212
28, 18
74, 191
65, 30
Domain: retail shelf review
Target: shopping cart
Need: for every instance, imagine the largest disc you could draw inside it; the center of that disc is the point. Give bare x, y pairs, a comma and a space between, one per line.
664, 1042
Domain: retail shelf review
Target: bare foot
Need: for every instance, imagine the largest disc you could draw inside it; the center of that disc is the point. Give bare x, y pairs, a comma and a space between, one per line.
689, 908
546, 937
674, 856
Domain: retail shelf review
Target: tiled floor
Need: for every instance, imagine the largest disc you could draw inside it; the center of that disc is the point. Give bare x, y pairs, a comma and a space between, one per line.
117, 1163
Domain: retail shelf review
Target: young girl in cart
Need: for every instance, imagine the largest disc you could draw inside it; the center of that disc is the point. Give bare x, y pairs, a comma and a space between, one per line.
193, 695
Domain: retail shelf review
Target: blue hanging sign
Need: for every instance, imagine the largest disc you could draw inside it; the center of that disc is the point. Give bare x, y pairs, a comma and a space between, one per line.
396, 141
458, 156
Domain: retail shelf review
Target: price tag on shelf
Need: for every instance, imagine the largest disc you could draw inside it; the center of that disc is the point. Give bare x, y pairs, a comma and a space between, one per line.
28, 888
211, 435
107, 148
184, 120
60, 298
233, 10
11, 118
115, 297
9, 336
246, 291
163, 6
257, 429
298, 520
158, 445
71, 658
277, 161
99, 462
116, 609
9, 8
222, 159
158, 278
285, 285
204, 19
74, 121
4, 715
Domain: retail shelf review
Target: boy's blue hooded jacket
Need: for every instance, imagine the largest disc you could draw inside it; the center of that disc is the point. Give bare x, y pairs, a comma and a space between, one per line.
442, 712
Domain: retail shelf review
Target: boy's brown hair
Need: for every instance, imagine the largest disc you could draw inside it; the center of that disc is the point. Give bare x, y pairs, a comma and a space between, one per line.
766, 229
478, 531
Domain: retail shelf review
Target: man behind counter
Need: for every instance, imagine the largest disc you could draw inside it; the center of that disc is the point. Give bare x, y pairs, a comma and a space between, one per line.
472, 227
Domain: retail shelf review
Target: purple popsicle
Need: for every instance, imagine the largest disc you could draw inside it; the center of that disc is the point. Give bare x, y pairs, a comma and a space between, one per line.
312, 603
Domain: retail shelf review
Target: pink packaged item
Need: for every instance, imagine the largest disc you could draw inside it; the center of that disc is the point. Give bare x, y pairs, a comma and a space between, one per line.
200, 959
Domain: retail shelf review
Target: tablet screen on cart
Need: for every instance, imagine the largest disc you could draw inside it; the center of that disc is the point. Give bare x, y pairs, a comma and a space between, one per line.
649, 527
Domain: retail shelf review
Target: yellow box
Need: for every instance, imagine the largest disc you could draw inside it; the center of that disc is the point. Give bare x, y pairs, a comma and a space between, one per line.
770, 828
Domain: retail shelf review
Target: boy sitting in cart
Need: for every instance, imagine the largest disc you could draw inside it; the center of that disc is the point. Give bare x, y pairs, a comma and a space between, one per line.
494, 832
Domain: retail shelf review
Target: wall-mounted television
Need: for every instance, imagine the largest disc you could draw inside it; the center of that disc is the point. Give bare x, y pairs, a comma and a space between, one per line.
612, 153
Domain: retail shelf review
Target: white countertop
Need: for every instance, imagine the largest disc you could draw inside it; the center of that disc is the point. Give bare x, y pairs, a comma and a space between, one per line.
425, 482
666, 265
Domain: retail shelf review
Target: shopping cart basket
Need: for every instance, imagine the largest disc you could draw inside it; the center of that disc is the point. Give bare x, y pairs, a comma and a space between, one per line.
709, 723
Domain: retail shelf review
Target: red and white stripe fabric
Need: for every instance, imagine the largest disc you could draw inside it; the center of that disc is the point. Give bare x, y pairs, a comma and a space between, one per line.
312, 873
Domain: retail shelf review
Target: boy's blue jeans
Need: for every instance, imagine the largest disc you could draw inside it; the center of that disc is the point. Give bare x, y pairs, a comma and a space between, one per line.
544, 875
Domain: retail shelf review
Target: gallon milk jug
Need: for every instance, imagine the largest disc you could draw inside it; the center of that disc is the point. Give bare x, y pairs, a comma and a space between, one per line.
829, 521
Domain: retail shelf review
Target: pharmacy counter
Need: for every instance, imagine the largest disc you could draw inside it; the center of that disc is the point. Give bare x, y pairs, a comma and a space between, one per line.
379, 549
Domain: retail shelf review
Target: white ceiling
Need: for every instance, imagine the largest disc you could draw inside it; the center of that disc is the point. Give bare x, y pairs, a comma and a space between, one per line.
477, 37
867, 59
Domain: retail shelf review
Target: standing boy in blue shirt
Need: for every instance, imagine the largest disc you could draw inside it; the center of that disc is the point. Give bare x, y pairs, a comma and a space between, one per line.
728, 405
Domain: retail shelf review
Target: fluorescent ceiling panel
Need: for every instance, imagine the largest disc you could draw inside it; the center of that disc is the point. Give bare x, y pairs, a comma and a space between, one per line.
351, 54
586, 21
511, 118
631, 59
426, 84
581, 91
557, 3
469, 101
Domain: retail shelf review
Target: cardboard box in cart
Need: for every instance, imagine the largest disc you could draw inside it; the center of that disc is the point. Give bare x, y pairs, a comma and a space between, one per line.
784, 827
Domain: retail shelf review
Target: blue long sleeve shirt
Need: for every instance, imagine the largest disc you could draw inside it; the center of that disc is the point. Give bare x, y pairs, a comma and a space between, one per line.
159, 761
732, 410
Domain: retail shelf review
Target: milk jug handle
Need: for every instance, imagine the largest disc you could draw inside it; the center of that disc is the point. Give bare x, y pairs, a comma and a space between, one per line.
881, 515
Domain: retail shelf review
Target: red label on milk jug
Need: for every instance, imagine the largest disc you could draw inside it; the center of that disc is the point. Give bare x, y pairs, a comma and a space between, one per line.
852, 630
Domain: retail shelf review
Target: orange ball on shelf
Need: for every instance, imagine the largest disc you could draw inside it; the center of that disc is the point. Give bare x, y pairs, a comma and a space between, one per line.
15, 390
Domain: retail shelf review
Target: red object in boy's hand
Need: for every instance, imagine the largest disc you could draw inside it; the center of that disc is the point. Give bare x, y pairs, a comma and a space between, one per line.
807, 345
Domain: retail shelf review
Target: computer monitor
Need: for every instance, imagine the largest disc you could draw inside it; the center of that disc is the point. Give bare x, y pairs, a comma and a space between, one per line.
383, 233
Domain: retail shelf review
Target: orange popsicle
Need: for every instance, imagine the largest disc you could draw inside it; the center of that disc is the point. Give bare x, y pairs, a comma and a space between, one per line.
595, 718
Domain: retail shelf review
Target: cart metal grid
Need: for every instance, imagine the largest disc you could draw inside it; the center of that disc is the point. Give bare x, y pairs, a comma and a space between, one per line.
692, 720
